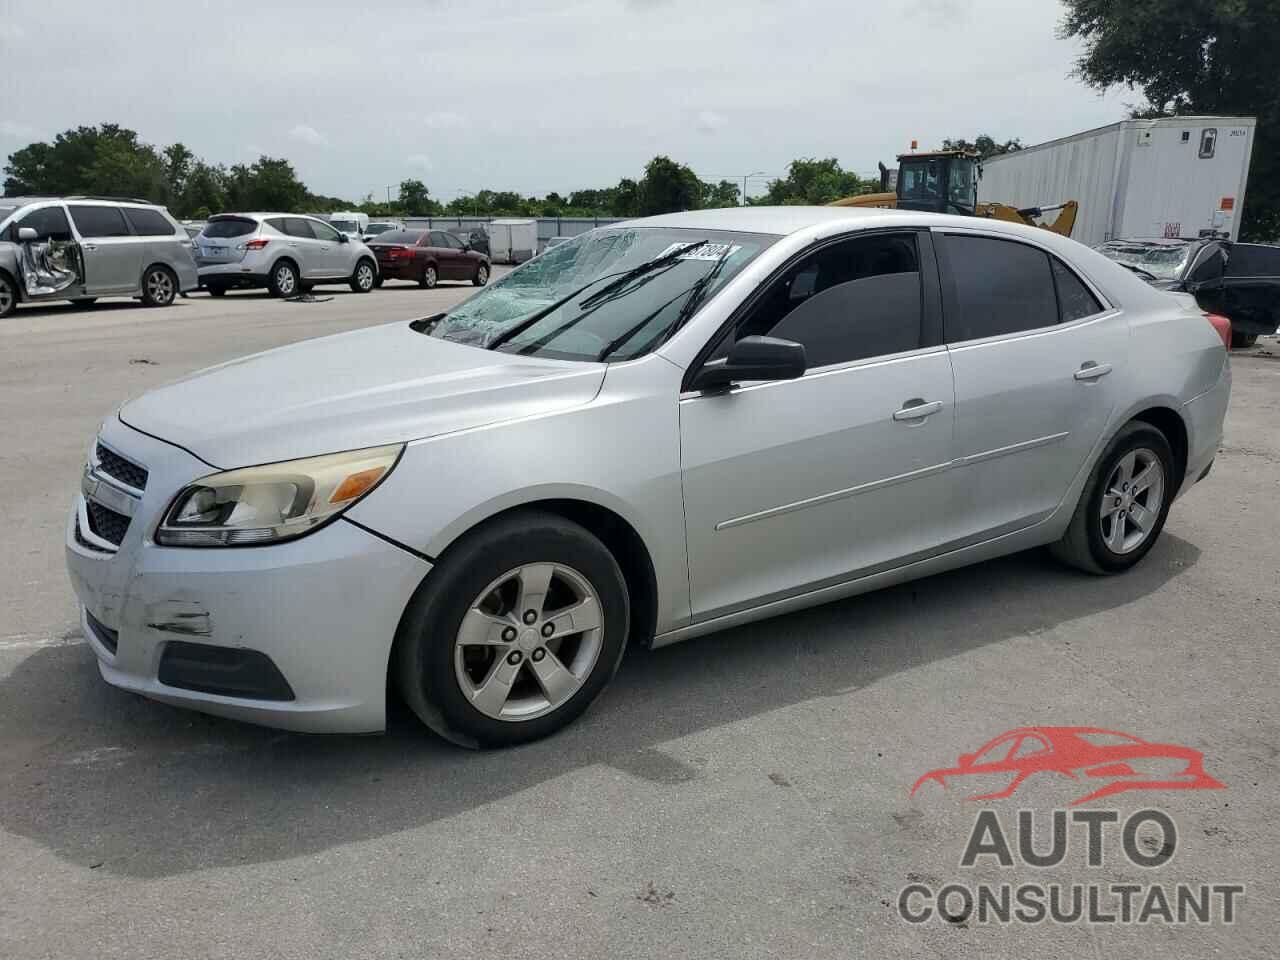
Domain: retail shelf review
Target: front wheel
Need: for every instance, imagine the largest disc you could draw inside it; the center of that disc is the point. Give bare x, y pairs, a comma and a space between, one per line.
159, 287
1124, 505
482, 275
364, 278
515, 632
284, 280
8, 295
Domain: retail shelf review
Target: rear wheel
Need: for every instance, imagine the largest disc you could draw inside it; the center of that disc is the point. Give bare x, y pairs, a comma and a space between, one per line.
159, 287
284, 280
515, 632
8, 295
482, 275
1240, 341
429, 277
364, 278
1124, 505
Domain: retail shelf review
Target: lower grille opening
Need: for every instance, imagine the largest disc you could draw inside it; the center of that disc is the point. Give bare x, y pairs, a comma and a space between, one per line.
227, 671
102, 633
106, 523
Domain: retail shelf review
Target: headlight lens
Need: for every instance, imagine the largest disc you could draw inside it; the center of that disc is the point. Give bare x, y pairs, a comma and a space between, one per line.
275, 502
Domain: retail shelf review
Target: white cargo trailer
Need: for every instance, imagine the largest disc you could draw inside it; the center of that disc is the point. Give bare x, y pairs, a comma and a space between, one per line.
512, 241
1173, 177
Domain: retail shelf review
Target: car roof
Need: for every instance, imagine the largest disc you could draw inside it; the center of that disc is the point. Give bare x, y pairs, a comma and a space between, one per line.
773, 220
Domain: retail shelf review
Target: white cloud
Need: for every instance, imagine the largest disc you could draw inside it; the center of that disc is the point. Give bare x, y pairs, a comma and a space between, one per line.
12, 130
444, 120
308, 135
708, 121
419, 161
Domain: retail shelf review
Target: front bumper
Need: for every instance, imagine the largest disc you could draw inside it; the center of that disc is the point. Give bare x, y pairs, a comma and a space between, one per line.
324, 608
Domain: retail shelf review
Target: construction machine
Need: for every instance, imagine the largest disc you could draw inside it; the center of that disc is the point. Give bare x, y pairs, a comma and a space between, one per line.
946, 181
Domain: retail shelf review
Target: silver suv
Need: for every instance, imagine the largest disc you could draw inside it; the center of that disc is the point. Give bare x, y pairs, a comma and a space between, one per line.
287, 253
82, 248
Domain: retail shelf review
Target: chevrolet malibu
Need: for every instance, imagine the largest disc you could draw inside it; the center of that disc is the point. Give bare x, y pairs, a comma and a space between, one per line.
660, 429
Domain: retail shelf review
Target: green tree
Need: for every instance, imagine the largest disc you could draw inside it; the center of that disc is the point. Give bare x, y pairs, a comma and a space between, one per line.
414, 198
815, 182
108, 159
1194, 57
203, 190
667, 187
178, 163
984, 146
722, 194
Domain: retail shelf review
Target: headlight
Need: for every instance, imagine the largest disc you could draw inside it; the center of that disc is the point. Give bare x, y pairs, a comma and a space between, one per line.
275, 502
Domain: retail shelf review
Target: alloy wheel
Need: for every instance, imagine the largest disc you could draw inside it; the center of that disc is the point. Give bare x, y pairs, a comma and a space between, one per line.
285, 280
528, 642
160, 286
1131, 501
6, 296
364, 277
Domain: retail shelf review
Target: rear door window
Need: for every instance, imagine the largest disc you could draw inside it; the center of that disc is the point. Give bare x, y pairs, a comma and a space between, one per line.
321, 231
49, 223
300, 228
95, 221
436, 239
1074, 298
148, 223
1000, 287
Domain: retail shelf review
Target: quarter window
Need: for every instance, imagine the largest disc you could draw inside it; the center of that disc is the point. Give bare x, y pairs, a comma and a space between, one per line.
49, 223
1074, 299
99, 221
148, 223
851, 300
1001, 287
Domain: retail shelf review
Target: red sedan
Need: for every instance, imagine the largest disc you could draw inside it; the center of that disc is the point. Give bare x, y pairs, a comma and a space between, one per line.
1114, 761
428, 256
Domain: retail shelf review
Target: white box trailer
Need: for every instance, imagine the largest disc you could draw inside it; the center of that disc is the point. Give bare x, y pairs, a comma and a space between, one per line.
1172, 177
512, 241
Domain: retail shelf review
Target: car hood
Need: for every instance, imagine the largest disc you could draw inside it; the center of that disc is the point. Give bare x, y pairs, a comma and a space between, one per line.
375, 386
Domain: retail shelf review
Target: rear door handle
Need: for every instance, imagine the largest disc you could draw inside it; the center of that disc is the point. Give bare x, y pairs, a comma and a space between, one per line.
1089, 370
917, 409
91, 246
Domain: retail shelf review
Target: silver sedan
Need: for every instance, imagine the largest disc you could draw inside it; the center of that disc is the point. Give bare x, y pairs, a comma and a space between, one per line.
654, 431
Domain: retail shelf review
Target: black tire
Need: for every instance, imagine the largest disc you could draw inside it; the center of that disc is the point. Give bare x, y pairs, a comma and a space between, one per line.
159, 286
216, 291
430, 277
377, 281
1242, 341
424, 659
8, 295
1083, 545
282, 285
482, 275
365, 276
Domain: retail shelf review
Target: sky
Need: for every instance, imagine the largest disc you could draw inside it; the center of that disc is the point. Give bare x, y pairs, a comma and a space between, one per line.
542, 95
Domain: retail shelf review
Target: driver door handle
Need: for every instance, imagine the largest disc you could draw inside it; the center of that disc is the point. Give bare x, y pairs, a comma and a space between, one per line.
1089, 370
917, 409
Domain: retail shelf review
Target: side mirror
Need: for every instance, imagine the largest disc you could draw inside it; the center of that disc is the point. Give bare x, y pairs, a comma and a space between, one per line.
343, 238
27, 235
753, 358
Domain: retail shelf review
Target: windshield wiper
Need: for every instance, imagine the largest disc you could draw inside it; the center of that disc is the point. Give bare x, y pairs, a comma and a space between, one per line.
619, 279
1138, 270
691, 304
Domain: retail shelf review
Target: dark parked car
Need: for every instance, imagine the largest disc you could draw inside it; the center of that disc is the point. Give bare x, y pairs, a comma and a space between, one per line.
473, 238
428, 256
1240, 281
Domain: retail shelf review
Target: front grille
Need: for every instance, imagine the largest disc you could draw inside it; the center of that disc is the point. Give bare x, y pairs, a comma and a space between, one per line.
106, 636
106, 523
118, 468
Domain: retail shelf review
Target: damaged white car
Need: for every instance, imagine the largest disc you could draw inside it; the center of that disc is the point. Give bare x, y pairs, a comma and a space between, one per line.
83, 248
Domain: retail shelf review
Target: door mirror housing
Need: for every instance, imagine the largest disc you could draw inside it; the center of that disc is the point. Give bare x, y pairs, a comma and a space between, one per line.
753, 358
343, 238
27, 235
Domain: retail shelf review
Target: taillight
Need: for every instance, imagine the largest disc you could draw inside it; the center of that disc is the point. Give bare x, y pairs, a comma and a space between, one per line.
1222, 325
254, 244
398, 252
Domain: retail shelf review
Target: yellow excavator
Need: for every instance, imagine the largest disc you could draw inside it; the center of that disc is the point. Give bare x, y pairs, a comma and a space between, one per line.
946, 181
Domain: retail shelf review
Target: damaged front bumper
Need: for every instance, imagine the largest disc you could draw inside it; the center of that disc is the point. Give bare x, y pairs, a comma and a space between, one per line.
294, 635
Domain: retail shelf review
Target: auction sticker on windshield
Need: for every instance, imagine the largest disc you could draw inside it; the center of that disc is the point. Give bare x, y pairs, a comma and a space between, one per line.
706, 251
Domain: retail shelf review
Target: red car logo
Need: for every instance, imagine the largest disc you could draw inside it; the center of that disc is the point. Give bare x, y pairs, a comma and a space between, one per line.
1087, 754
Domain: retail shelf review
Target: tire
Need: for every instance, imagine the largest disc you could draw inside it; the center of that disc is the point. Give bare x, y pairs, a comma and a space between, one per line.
8, 295
482, 275
377, 281
430, 277
1242, 341
1087, 544
491, 565
216, 291
284, 280
159, 287
365, 276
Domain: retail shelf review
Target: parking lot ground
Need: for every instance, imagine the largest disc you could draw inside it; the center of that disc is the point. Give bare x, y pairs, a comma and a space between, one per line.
741, 795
